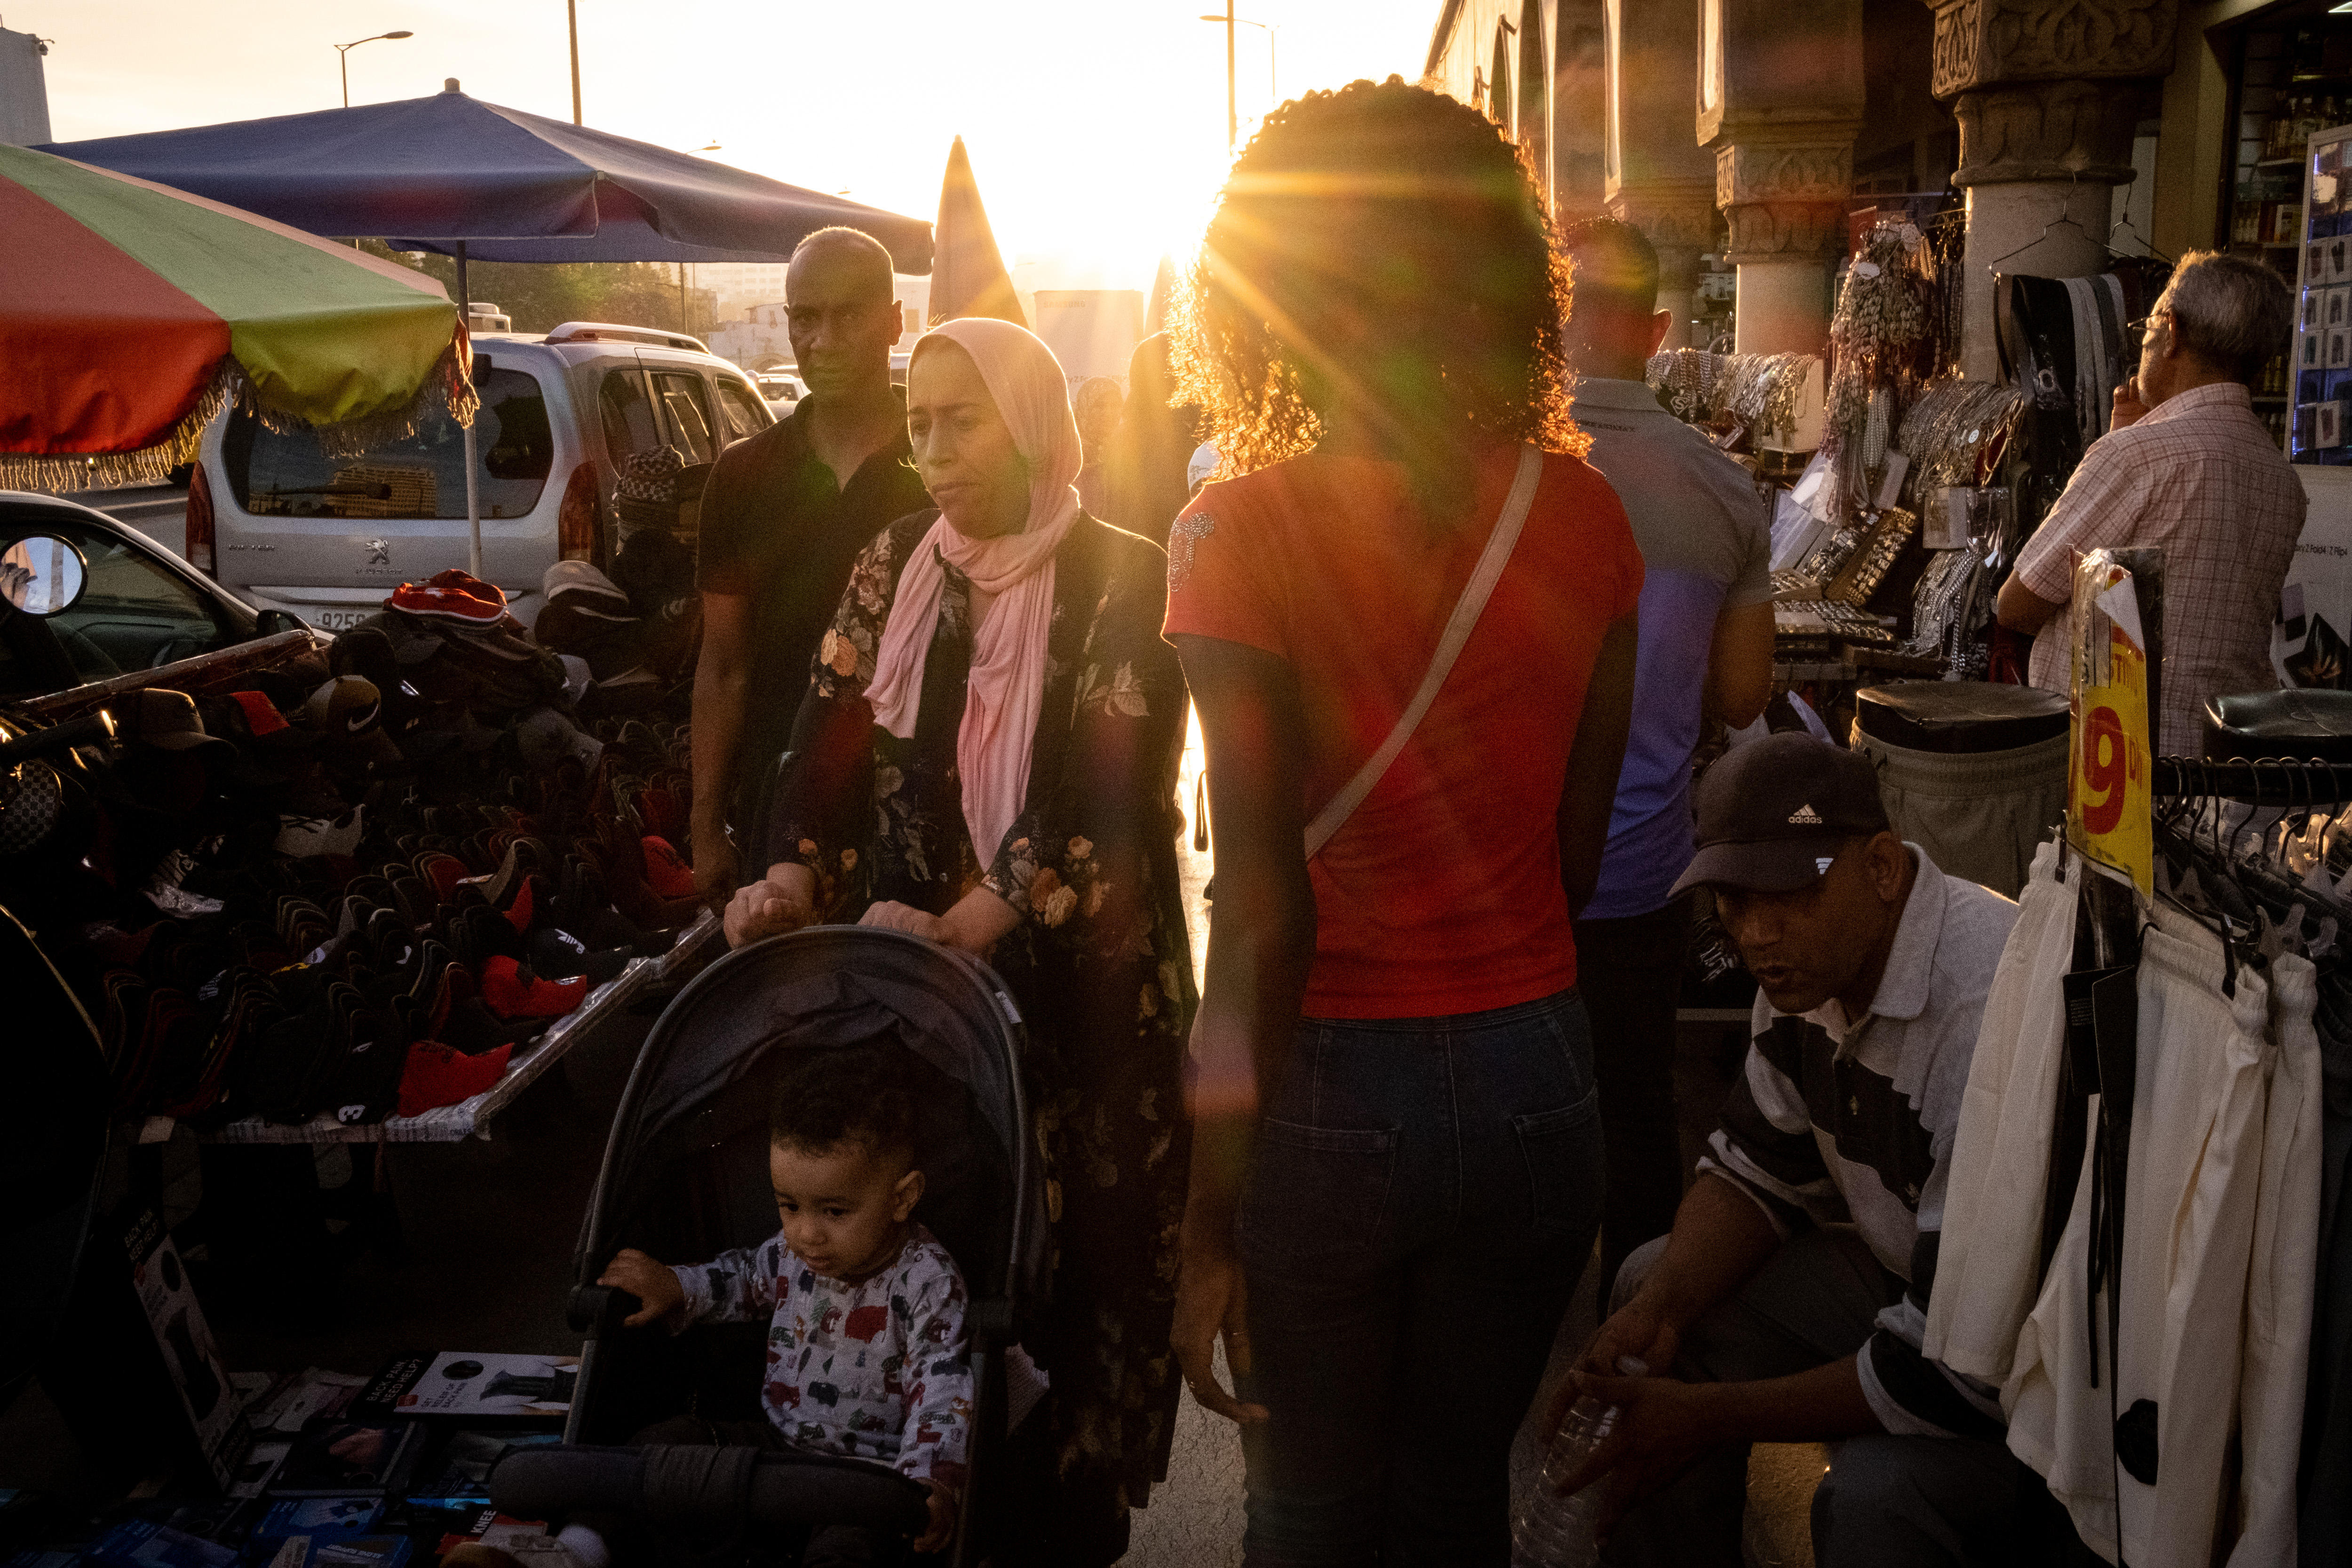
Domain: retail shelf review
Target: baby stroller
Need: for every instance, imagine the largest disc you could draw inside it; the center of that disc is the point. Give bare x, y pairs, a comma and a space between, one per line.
685, 1178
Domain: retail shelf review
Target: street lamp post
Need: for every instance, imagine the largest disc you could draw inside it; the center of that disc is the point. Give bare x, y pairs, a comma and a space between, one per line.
683, 321
572, 14
1273, 32
343, 57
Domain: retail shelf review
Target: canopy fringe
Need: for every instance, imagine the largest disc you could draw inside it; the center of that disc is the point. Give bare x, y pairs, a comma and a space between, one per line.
448, 388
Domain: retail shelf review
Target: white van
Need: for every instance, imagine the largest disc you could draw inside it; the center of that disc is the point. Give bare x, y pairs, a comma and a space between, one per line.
283, 526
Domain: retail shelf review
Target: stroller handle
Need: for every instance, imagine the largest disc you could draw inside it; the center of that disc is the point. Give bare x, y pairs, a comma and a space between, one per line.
709, 1485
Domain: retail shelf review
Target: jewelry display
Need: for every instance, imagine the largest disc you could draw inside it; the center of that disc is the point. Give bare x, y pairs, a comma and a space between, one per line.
1956, 433
1760, 394
1880, 354
1867, 566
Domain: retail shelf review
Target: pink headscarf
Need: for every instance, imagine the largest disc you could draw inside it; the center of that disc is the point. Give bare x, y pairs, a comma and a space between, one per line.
1008, 657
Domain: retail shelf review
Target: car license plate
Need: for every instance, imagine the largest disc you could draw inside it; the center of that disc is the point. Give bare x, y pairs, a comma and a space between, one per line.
337, 620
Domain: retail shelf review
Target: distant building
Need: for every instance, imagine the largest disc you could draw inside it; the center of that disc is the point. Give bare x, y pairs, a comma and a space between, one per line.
756, 336
739, 284
1497, 55
24, 90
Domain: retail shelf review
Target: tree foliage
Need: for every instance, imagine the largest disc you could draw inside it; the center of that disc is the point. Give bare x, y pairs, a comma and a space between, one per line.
540, 295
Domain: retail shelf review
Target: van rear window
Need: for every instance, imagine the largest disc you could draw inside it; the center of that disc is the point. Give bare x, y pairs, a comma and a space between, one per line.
423, 475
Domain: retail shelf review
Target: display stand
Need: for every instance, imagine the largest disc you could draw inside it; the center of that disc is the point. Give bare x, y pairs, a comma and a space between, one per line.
206, 672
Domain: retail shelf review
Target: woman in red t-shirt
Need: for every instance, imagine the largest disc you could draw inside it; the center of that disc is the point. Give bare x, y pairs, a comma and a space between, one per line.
1397, 1169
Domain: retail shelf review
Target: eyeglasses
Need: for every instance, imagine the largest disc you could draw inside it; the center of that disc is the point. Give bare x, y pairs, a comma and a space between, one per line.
2137, 331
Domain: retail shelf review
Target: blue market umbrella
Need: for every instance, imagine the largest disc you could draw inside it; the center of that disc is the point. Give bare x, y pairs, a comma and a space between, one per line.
433, 172
455, 175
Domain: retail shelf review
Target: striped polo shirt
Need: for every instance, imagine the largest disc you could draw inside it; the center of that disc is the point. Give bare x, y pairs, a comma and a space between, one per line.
1836, 1120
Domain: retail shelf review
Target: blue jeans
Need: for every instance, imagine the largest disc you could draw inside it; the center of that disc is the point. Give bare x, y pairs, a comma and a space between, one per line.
1424, 1197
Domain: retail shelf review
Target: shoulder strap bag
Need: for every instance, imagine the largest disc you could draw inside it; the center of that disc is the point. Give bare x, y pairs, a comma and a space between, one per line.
1458, 627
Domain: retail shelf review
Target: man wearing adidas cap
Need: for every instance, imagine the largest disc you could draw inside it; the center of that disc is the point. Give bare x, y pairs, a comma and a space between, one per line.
1788, 1301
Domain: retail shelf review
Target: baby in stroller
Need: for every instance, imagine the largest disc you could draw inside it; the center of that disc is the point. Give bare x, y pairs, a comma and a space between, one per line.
865, 1309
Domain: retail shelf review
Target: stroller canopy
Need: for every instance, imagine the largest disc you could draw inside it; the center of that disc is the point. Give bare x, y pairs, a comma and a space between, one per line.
700, 1085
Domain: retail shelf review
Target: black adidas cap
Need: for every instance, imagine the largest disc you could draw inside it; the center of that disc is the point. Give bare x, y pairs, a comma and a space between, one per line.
1771, 813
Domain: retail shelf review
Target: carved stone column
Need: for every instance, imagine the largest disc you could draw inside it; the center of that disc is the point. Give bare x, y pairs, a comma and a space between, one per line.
2047, 93
1655, 175
1780, 96
1578, 93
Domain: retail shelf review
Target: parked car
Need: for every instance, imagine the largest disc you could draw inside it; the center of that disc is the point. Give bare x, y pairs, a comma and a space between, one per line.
284, 524
137, 606
781, 388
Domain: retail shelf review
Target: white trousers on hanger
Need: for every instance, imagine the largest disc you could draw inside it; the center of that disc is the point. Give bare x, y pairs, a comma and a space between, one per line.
1987, 1262
2282, 1276
2196, 1157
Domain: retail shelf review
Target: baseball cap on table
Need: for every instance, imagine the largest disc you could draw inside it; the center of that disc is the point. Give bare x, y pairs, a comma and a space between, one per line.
347, 705
1773, 812
600, 594
544, 737
349, 709
452, 595
158, 717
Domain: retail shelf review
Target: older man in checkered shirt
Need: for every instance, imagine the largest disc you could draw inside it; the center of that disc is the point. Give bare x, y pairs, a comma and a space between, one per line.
2186, 468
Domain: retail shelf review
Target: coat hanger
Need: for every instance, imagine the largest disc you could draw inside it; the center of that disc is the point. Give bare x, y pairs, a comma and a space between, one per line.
2147, 249
2065, 220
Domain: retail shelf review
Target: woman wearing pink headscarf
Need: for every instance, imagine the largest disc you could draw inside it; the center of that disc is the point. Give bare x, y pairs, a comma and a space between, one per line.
987, 757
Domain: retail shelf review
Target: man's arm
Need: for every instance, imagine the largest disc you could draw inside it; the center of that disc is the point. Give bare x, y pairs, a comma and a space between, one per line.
1740, 664
1720, 1238
2024, 610
1665, 1425
2102, 505
1595, 760
721, 675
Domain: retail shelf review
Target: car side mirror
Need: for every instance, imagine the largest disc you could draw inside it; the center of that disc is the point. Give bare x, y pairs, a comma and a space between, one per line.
270, 623
42, 574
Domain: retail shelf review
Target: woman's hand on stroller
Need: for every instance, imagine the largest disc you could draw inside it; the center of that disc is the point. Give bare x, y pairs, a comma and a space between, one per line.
890, 916
973, 925
784, 900
650, 1280
943, 1518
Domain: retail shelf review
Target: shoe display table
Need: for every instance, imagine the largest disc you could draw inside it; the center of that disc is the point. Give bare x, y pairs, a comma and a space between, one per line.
471, 1118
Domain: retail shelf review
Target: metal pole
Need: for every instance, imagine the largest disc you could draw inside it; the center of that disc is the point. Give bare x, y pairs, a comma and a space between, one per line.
1273, 61
473, 500
572, 14
681, 297
343, 59
1232, 117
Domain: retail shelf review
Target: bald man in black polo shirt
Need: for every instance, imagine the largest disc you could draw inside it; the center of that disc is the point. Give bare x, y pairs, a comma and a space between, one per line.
783, 518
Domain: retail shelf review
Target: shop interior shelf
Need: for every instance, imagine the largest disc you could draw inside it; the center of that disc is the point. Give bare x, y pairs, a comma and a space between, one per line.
471, 1118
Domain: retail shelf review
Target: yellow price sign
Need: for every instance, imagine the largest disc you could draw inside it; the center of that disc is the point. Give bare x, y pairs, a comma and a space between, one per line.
2109, 772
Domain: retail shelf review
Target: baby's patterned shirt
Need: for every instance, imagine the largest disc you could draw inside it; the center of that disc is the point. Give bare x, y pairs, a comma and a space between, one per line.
870, 1370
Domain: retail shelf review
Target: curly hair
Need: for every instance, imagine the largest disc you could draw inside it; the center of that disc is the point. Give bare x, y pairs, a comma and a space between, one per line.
850, 1094
1380, 247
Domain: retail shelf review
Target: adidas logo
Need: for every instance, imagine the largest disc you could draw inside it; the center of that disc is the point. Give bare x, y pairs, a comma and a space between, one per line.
1804, 817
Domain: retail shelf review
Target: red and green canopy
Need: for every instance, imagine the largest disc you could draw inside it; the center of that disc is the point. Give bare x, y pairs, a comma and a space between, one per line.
130, 311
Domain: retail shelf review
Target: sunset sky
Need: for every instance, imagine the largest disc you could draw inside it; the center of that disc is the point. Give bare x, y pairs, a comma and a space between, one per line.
1097, 129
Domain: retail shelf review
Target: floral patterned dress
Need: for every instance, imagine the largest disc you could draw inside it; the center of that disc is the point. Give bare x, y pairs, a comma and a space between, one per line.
1100, 963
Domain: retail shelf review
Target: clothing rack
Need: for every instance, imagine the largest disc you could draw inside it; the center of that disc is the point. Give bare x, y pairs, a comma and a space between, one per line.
2260, 781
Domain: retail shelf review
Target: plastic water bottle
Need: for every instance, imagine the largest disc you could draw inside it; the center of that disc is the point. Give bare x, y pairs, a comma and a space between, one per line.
1554, 1531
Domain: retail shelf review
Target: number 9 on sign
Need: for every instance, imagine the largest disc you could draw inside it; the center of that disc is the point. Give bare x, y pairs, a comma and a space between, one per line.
2108, 782
2107, 771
